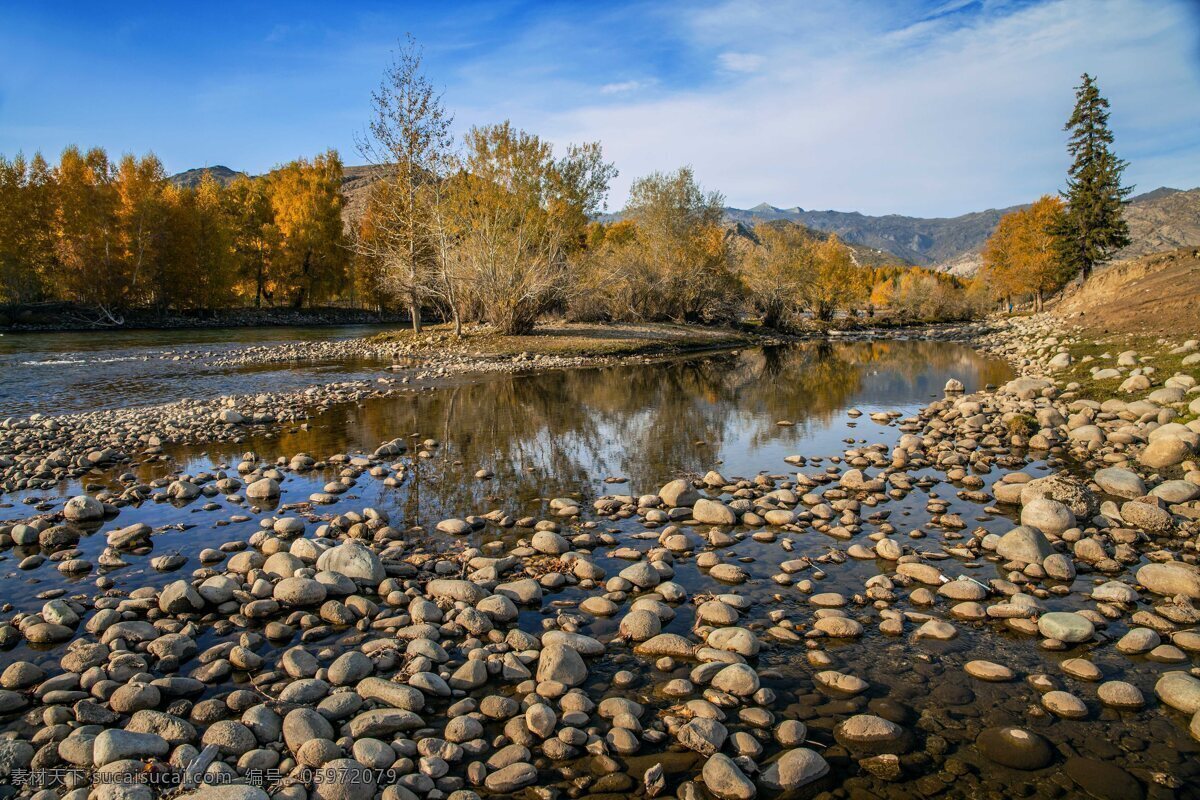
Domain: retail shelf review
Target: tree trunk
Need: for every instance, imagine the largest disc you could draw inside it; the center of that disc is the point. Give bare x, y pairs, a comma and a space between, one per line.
414, 311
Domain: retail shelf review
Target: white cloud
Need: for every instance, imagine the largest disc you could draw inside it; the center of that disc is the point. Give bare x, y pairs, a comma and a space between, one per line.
740, 62
935, 115
623, 87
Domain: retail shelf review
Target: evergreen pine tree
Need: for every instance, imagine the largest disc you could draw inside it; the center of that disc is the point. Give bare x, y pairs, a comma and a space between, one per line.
1093, 227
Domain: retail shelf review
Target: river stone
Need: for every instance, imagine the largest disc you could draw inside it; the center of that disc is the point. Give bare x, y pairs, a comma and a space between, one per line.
795, 768
1139, 640
179, 598
1120, 483
1120, 694
1066, 626
1171, 578
114, 744
737, 640
354, 560
678, 493
1014, 747
263, 488
723, 778
1164, 452
59, 537
511, 778
739, 680
1175, 492
83, 509
1070, 491
988, 671
1180, 691
1103, 779
713, 512
561, 664
300, 592
1024, 544
1048, 516
1064, 704
666, 644
344, 779
869, 732
1149, 518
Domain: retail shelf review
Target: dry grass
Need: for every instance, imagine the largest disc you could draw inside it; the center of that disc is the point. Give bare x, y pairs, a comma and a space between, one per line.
572, 339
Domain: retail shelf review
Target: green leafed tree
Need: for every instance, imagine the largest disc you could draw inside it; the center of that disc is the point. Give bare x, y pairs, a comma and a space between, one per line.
1093, 227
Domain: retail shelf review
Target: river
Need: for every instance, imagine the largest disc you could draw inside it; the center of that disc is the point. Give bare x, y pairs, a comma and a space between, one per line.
581, 434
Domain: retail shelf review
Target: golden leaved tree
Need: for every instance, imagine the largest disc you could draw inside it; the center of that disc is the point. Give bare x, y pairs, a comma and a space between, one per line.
309, 265
1022, 256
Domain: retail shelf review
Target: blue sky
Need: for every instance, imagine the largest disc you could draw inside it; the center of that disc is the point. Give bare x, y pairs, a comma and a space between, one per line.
926, 108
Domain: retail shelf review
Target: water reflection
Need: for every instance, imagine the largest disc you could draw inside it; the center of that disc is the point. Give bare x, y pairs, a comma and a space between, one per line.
563, 432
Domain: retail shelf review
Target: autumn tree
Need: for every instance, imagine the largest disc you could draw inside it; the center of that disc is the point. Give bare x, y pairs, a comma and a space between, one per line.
835, 282
519, 215
254, 238
776, 272
679, 265
141, 272
26, 228
410, 139
87, 248
1023, 256
306, 204
1094, 226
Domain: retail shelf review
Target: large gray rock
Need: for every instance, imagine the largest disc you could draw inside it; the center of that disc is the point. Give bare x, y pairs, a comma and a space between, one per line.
83, 509
713, 512
452, 589
1066, 626
1066, 489
1179, 690
1171, 578
795, 768
1121, 483
115, 745
560, 663
354, 560
679, 492
724, 779
1165, 452
1024, 544
1048, 516
1148, 518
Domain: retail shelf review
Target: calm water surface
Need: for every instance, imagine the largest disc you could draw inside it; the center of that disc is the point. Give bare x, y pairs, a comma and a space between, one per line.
54, 373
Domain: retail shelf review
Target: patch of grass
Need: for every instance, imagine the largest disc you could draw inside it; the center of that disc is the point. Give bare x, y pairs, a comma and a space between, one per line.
1155, 354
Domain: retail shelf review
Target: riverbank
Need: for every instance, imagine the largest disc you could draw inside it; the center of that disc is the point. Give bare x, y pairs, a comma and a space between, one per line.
56, 317
866, 619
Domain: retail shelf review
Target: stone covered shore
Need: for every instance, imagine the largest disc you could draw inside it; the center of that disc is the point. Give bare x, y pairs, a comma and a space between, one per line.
345, 656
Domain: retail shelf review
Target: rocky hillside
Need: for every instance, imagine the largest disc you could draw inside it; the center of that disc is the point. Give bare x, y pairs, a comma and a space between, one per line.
913, 239
1154, 294
192, 177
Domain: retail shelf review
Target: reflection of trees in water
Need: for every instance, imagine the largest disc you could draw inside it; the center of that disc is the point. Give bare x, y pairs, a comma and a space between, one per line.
557, 432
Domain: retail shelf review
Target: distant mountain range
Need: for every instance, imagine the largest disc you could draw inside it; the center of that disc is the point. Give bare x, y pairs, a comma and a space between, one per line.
1159, 220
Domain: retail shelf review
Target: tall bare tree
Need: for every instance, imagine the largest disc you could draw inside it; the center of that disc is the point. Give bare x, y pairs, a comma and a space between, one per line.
409, 138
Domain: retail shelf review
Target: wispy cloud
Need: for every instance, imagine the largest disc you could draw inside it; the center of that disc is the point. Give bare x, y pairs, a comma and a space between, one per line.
740, 62
623, 87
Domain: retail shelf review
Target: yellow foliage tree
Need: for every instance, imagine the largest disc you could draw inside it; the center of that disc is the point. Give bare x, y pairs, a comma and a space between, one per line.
306, 202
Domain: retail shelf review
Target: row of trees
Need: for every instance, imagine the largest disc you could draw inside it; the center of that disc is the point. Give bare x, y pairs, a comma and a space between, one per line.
119, 235
496, 227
